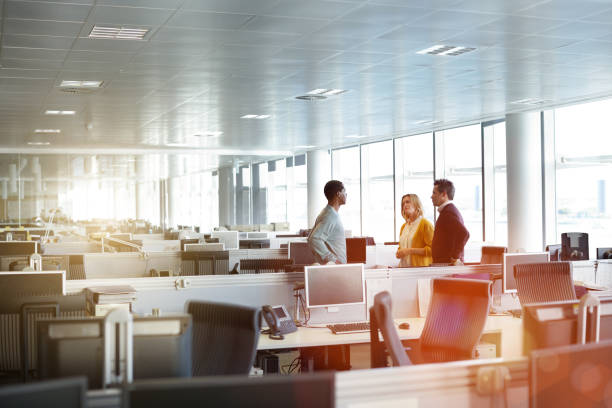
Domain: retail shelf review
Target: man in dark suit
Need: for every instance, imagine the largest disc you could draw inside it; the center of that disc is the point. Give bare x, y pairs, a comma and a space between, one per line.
450, 235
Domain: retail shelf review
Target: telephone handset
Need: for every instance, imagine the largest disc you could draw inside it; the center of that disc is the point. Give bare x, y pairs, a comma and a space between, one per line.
279, 321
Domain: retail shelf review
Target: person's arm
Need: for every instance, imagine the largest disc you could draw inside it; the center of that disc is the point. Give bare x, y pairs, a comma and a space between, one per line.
316, 240
427, 230
460, 237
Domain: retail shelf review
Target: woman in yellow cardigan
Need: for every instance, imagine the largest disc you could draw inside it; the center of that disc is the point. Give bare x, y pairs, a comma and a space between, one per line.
415, 235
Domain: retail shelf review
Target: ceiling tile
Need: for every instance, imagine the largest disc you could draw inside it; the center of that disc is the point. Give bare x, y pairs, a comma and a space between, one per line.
38, 41
46, 11
37, 27
230, 6
98, 44
521, 25
34, 53
284, 25
566, 9
196, 19
316, 9
128, 15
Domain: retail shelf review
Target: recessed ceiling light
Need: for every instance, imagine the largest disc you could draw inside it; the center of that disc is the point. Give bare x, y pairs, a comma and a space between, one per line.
451, 50
118, 33
47, 130
326, 92
81, 84
304, 147
356, 136
59, 112
255, 117
39, 143
209, 134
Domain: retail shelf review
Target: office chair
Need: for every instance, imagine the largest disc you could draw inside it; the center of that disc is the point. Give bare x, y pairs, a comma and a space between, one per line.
492, 255
554, 252
544, 282
225, 338
453, 326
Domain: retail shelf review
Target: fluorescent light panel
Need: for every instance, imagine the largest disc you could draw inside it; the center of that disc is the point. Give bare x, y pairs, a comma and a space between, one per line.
211, 134
356, 136
450, 50
326, 92
39, 143
81, 84
304, 147
118, 33
47, 130
255, 117
59, 112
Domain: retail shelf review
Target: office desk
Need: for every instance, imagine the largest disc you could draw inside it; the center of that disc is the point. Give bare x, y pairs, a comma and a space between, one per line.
505, 331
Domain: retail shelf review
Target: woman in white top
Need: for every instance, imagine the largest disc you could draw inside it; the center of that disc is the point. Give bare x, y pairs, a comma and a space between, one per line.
415, 235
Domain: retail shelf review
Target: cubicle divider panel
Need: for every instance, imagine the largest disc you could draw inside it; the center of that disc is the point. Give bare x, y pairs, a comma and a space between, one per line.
65, 248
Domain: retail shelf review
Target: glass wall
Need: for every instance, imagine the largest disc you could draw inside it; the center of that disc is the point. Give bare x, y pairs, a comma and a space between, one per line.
297, 193
346, 168
377, 190
461, 155
277, 191
414, 164
583, 149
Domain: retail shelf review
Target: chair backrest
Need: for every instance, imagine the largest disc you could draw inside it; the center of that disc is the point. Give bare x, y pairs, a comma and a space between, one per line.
544, 282
457, 314
224, 338
493, 255
382, 319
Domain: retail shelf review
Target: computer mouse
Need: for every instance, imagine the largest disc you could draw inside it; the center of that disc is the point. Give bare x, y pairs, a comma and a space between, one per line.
404, 326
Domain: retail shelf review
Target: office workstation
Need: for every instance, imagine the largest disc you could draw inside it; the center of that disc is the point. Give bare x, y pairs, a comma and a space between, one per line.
181, 149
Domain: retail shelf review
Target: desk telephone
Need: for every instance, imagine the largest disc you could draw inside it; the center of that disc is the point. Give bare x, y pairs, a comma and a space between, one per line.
279, 321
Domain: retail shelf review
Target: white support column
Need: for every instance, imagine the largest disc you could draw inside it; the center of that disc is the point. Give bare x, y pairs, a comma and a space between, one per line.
175, 169
524, 172
318, 168
227, 202
141, 192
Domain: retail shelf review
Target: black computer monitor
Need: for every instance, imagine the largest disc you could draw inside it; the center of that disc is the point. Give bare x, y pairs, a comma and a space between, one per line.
356, 250
251, 243
334, 285
287, 391
300, 253
571, 376
549, 324
574, 246
604, 253
68, 347
510, 260
18, 248
64, 393
13, 235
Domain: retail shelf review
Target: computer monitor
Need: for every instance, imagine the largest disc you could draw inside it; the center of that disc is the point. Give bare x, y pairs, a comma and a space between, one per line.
18, 248
550, 324
290, 391
257, 235
508, 282
229, 238
300, 253
571, 376
67, 347
14, 235
334, 285
356, 250
554, 252
604, 253
574, 246
65, 393
252, 243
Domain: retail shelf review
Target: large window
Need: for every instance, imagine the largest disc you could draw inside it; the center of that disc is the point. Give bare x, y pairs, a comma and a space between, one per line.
462, 159
377, 190
583, 172
496, 215
297, 197
277, 191
346, 168
414, 173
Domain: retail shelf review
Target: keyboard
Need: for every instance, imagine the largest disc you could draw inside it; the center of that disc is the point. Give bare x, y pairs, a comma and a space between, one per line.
343, 328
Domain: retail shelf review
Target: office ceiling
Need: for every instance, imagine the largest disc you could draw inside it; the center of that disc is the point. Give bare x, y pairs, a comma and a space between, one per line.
204, 64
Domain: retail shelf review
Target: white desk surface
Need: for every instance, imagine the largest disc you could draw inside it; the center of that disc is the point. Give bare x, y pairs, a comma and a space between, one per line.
509, 327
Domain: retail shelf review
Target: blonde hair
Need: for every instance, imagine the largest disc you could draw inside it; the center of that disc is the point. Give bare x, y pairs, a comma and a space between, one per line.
416, 201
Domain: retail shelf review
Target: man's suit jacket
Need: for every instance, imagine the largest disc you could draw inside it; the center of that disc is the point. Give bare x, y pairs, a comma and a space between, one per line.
450, 235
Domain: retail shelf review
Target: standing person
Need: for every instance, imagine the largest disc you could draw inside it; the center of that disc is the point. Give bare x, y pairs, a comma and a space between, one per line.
326, 240
450, 235
415, 235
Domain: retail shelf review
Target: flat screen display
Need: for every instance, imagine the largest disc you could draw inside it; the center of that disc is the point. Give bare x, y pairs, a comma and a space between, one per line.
334, 285
514, 259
